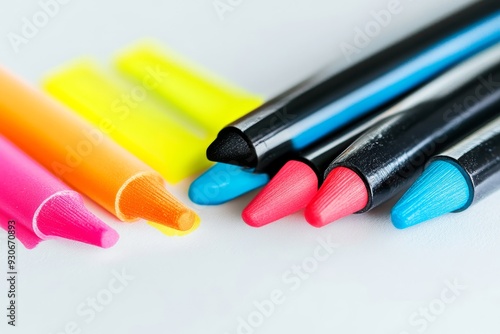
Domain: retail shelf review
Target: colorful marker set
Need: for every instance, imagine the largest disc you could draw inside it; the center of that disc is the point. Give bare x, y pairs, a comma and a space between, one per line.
334, 145
85, 158
344, 143
114, 143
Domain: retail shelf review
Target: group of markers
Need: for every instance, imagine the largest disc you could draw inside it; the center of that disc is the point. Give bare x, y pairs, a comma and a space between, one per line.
112, 135
344, 143
334, 145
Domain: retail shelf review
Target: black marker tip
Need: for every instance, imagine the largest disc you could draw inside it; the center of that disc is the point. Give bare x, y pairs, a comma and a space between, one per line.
231, 148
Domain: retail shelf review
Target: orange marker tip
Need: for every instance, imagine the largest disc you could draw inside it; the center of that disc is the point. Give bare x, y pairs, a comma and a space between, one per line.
146, 197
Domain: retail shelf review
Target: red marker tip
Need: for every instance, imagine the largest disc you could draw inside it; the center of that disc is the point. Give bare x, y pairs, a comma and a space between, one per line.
342, 194
289, 191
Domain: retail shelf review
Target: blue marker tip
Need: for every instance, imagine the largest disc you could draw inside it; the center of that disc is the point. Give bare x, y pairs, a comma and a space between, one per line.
224, 182
441, 189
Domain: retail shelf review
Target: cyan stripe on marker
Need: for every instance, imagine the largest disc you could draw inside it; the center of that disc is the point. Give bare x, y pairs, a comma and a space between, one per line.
414, 72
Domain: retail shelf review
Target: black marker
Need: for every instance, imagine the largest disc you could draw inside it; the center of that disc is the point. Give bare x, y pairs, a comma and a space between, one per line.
329, 101
297, 182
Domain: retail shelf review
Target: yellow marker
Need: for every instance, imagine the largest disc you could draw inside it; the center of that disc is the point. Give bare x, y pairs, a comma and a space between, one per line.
130, 117
203, 97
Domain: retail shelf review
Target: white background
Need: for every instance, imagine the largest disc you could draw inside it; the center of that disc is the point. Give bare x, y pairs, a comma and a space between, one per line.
377, 280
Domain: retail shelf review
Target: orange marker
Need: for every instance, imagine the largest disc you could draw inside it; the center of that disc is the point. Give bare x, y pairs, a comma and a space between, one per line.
85, 157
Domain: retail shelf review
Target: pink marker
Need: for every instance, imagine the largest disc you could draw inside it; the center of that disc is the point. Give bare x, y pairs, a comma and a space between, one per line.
42, 206
26, 236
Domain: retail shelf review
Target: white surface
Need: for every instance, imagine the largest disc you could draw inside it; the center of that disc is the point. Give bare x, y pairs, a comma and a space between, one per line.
374, 281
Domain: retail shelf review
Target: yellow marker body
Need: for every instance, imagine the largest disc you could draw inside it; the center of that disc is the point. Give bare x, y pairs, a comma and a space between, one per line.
203, 97
128, 115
